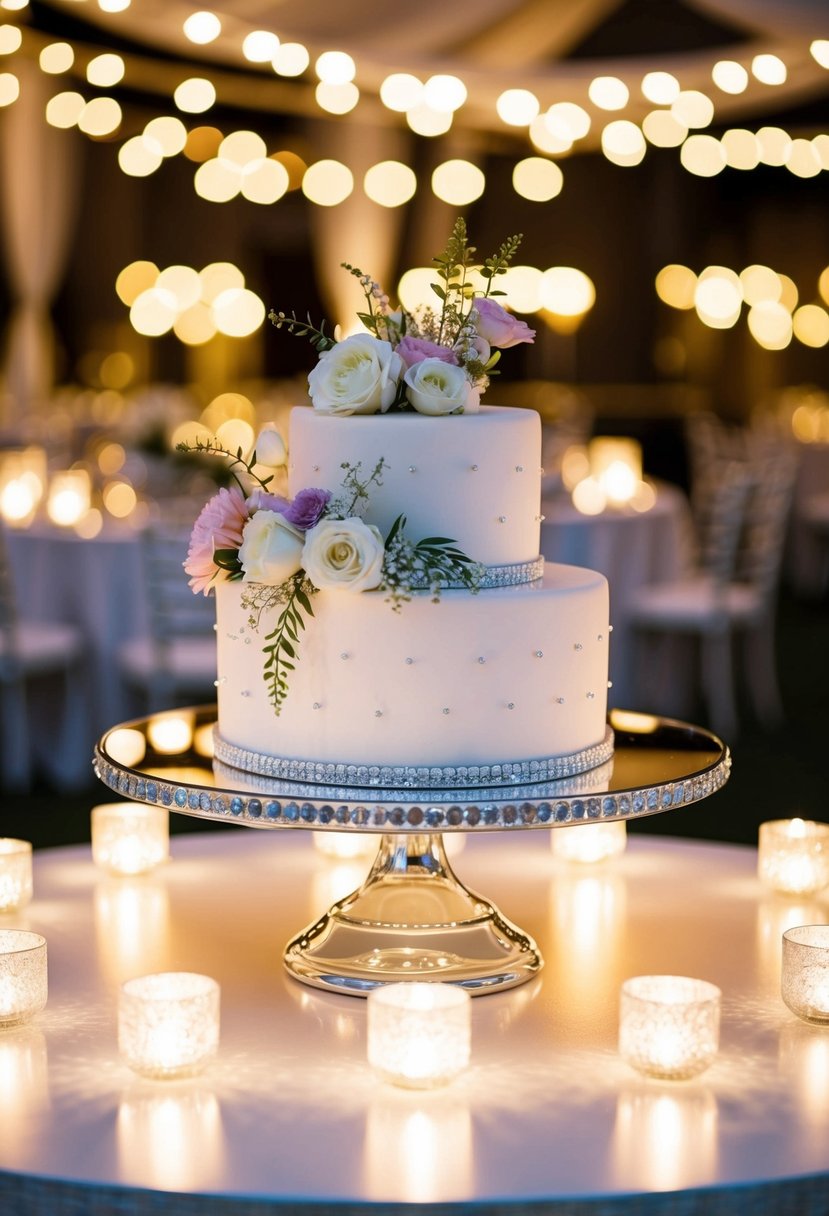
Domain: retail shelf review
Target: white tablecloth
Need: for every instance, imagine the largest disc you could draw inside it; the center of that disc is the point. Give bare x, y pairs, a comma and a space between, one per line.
631, 550
289, 1114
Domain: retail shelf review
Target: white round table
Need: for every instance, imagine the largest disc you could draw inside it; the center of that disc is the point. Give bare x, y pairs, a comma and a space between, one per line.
548, 1118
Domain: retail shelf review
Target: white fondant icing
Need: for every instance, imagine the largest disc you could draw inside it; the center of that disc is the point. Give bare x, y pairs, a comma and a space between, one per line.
493, 515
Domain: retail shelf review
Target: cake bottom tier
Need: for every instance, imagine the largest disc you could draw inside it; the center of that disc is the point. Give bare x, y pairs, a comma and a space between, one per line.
507, 684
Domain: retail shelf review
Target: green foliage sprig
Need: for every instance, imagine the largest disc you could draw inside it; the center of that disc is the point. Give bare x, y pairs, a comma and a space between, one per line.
212, 447
282, 643
434, 562
303, 329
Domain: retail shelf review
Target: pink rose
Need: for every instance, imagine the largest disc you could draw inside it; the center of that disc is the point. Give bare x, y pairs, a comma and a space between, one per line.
499, 327
414, 350
219, 526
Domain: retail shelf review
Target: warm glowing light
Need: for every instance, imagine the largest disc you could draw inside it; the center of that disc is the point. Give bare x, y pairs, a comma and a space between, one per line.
823, 285
345, 846
327, 183
133, 279
444, 92
517, 107
775, 145
820, 143
575, 466
168, 1024
11, 39
390, 183
660, 87
64, 109
170, 734
264, 181
202, 144
820, 52
166, 134
804, 983
238, 312
669, 1025
111, 458
810, 324
418, 1033
414, 289
729, 76
218, 277
9, 88
537, 179
138, 158
675, 286
566, 291
588, 497
458, 182
788, 293
793, 856
335, 67
551, 135
128, 838
217, 181
291, 59
575, 118
293, 165
23, 978
337, 98
663, 129
770, 325
616, 466
13, 5
113, 6
742, 149
768, 69
608, 93
195, 325
803, 159
69, 497
119, 499
105, 70
718, 297
423, 120
195, 95
760, 283
401, 92
693, 108
241, 147
202, 27
56, 58
100, 117
623, 143
702, 155
153, 312
260, 46
522, 288
15, 873
589, 843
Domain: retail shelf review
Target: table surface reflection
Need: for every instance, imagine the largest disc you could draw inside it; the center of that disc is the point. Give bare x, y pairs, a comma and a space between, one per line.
289, 1110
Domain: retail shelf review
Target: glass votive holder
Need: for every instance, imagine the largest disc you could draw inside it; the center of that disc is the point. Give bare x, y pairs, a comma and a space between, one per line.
419, 1033
23, 982
669, 1025
168, 1024
805, 972
590, 843
128, 838
793, 855
15, 873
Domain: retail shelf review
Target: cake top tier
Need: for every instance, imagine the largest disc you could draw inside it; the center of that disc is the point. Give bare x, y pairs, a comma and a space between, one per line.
474, 478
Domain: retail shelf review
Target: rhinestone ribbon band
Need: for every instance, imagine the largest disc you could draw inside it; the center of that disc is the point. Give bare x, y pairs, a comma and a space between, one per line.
386, 776
512, 575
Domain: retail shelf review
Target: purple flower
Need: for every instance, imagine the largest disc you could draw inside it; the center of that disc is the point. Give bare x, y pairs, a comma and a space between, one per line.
307, 509
415, 350
499, 327
262, 500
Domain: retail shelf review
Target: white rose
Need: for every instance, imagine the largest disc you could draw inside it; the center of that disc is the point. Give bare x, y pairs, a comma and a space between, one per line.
271, 549
435, 387
357, 376
343, 554
270, 447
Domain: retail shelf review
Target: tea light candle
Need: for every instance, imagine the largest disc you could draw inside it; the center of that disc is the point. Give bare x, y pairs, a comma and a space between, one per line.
669, 1025
168, 1024
419, 1033
805, 974
23, 983
15, 873
589, 842
128, 838
793, 855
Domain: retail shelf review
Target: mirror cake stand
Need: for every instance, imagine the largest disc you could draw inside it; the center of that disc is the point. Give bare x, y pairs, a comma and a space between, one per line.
412, 918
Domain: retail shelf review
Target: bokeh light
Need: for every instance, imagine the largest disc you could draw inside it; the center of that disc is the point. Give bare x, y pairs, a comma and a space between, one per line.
729, 76
566, 291
693, 108
100, 117
517, 107
9, 88
423, 120
810, 324
327, 183
770, 325
663, 129
64, 109
105, 70
168, 135
195, 95
390, 183
335, 67
660, 87
458, 182
623, 143
444, 92
401, 92
768, 69
133, 279
537, 179
202, 27
11, 39
803, 159
608, 93
760, 283
53, 59
775, 145
522, 288
202, 144
337, 98
741, 147
702, 155
675, 286
138, 158
291, 59
260, 46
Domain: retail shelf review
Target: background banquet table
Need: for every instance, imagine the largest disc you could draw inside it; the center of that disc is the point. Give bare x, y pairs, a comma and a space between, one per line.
547, 1118
631, 549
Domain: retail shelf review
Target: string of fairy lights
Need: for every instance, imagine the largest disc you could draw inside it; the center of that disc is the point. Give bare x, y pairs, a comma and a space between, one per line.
239, 164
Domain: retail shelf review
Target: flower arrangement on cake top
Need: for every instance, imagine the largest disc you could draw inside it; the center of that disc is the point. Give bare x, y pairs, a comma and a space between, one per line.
433, 360
436, 362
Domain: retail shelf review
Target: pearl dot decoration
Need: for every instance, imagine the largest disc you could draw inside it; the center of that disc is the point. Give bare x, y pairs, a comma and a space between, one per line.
168, 1024
669, 1025
419, 1033
23, 980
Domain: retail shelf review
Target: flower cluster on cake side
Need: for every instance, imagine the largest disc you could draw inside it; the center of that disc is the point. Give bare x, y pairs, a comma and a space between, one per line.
435, 361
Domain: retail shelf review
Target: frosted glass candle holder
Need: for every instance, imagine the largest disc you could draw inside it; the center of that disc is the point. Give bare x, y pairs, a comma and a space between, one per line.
128, 838
793, 855
15, 873
23, 982
589, 843
669, 1025
419, 1034
168, 1024
805, 973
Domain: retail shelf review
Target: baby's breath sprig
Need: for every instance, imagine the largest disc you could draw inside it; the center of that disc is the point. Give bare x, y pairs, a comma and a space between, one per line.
433, 563
353, 497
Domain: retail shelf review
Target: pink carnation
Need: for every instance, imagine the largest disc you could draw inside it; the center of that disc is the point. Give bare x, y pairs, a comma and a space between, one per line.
219, 526
415, 350
499, 327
